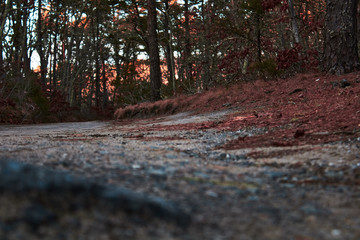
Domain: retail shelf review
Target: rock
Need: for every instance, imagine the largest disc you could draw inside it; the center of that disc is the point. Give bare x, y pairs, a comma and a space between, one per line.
344, 83
253, 198
275, 175
158, 174
295, 91
334, 84
224, 156
336, 233
334, 175
310, 209
171, 156
246, 163
240, 157
211, 194
201, 175
135, 166
104, 152
62, 190
226, 105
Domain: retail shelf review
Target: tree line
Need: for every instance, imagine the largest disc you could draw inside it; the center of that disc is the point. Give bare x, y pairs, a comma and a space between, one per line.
101, 54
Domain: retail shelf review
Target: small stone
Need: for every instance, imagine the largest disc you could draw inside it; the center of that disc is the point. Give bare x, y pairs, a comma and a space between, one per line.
275, 175
171, 156
225, 156
311, 209
201, 175
336, 233
334, 84
222, 156
334, 174
253, 198
345, 83
241, 157
211, 194
226, 105
135, 166
246, 163
65, 163
158, 174
121, 154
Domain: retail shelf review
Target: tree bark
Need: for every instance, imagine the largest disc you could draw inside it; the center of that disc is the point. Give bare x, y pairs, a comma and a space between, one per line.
40, 45
341, 50
206, 75
153, 48
168, 47
187, 52
294, 25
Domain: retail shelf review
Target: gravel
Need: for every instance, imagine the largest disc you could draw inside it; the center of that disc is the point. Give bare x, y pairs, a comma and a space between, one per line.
99, 180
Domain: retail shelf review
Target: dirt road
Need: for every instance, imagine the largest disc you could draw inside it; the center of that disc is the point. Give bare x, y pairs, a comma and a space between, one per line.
167, 183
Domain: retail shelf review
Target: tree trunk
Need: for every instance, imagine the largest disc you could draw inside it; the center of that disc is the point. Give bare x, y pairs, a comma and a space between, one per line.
54, 66
187, 52
168, 47
294, 25
258, 37
341, 50
96, 41
105, 96
153, 48
206, 75
40, 45
3, 17
25, 59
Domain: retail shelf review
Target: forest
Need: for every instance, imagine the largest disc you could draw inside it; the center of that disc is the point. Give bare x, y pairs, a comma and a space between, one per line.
179, 119
72, 60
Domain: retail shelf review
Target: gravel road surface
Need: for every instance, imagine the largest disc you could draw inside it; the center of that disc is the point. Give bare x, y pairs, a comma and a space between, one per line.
135, 180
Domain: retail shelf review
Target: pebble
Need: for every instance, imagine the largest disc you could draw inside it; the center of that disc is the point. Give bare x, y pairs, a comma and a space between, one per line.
253, 198
275, 175
201, 175
231, 157
135, 166
334, 174
171, 156
345, 83
336, 233
103, 152
224, 156
158, 174
211, 194
310, 209
246, 164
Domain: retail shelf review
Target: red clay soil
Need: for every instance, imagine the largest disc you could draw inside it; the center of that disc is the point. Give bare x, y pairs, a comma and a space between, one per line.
304, 109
